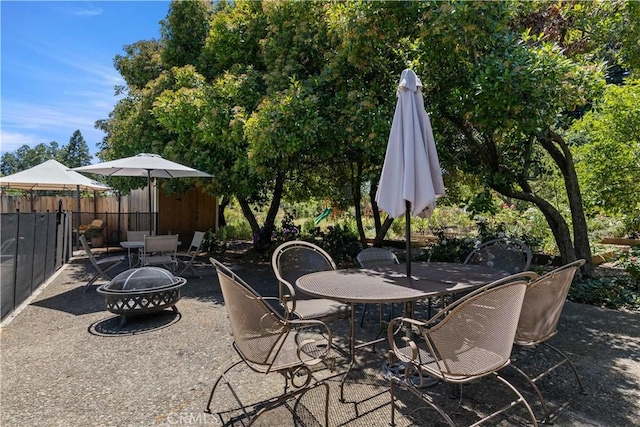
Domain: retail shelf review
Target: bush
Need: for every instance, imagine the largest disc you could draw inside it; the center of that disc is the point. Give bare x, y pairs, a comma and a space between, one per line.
341, 243
448, 248
630, 261
238, 230
609, 292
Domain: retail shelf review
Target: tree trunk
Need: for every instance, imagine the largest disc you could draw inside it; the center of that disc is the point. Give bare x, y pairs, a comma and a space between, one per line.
377, 242
356, 179
373, 189
222, 221
248, 214
556, 221
564, 159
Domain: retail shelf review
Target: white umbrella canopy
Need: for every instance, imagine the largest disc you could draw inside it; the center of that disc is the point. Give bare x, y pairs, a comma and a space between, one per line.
50, 175
143, 164
411, 178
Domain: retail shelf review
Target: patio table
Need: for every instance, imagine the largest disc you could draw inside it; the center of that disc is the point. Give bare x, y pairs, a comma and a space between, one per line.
128, 245
389, 284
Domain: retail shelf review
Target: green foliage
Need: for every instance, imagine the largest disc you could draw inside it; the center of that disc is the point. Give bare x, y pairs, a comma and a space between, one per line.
286, 100
448, 248
76, 153
238, 230
185, 31
287, 231
609, 292
341, 242
607, 154
630, 261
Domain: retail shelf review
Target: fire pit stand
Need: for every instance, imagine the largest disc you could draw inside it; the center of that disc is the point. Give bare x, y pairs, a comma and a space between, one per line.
141, 291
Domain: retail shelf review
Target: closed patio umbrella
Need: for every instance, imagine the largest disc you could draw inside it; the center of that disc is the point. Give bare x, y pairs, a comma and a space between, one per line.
143, 164
411, 178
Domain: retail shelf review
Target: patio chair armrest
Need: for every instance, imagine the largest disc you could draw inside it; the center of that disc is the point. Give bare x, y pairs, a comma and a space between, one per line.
318, 348
288, 298
397, 326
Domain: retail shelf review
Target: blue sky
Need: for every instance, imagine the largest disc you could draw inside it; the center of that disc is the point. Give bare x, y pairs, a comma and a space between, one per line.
57, 71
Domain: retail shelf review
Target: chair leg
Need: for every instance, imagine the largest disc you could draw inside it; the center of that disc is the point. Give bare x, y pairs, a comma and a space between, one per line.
532, 381
520, 399
418, 393
573, 367
543, 402
90, 282
215, 386
393, 404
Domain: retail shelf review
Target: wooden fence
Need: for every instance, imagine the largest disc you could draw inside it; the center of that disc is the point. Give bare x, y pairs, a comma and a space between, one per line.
182, 214
92, 206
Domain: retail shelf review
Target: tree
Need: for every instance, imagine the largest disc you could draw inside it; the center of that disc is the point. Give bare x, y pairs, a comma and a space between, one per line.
185, 31
608, 154
501, 98
27, 157
287, 99
76, 153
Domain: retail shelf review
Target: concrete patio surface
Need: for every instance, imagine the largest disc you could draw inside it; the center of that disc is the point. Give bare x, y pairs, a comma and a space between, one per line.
64, 362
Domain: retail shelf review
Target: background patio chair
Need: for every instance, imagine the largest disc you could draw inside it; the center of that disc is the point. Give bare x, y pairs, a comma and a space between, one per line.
469, 340
508, 255
160, 250
137, 235
185, 259
101, 265
290, 261
376, 257
268, 344
541, 309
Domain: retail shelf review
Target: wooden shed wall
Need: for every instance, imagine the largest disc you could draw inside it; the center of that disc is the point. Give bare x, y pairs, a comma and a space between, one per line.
185, 213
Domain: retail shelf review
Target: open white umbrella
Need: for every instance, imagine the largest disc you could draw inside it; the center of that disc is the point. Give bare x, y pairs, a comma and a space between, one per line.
52, 175
411, 178
143, 164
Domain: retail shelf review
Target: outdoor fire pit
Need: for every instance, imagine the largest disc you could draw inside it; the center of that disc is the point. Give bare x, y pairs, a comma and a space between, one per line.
140, 291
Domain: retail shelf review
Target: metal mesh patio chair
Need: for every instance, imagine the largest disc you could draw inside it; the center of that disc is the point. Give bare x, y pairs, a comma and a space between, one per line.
541, 309
186, 259
268, 343
471, 339
509, 255
101, 265
376, 257
160, 250
290, 261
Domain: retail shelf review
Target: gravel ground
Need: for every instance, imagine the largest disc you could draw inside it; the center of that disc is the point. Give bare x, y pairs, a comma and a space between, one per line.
65, 363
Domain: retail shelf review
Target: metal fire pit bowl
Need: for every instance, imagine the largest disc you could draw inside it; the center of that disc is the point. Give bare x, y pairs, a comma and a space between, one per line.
141, 291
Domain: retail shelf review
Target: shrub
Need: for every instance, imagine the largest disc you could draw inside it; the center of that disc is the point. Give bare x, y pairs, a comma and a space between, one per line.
609, 292
341, 243
448, 248
630, 261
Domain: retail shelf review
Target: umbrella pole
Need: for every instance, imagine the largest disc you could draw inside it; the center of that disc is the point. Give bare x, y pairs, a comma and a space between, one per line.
407, 220
149, 195
77, 217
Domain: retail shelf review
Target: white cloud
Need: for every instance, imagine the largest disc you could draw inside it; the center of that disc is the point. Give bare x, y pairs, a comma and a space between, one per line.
89, 10
11, 141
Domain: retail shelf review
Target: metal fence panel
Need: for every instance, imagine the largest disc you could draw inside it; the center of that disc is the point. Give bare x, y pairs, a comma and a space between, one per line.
39, 250
34, 246
24, 267
50, 243
9, 237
